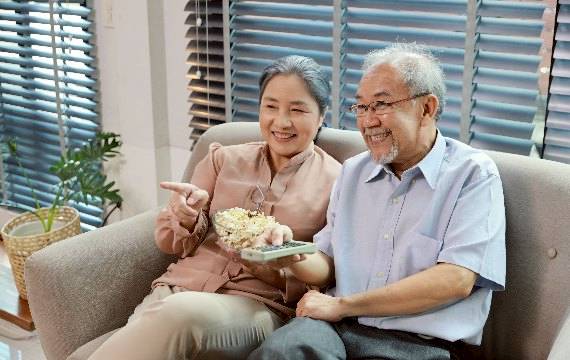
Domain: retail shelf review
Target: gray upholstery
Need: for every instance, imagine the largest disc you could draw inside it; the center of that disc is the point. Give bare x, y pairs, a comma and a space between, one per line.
525, 317
561, 348
87, 285
83, 287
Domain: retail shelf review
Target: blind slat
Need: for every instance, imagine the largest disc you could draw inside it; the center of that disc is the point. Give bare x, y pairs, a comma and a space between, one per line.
46, 42
59, 8
296, 11
18, 18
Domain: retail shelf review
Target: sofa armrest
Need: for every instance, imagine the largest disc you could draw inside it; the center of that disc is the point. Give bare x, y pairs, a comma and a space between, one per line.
85, 286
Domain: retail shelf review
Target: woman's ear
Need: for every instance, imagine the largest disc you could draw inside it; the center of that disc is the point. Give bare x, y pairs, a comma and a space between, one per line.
322, 117
321, 120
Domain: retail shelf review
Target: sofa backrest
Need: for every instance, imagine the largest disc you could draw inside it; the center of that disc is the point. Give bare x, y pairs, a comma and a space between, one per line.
524, 318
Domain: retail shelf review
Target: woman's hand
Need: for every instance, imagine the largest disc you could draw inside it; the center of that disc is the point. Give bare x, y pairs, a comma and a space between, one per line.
274, 235
277, 235
186, 201
265, 273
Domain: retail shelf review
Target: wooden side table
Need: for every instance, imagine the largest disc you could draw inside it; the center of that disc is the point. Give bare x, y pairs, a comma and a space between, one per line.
13, 308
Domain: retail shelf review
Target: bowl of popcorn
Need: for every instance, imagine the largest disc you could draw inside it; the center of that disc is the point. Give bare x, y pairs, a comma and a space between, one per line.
238, 228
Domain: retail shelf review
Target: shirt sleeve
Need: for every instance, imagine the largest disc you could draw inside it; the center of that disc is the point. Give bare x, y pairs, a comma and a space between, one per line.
206, 171
475, 237
323, 239
173, 238
294, 288
170, 235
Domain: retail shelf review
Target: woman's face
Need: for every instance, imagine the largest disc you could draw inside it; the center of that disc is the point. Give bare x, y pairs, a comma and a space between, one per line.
289, 117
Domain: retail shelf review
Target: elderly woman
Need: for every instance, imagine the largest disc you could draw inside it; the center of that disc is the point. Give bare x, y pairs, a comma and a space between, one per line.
208, 304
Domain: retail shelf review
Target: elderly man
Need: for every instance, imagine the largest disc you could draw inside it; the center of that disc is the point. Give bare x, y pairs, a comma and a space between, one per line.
414, 242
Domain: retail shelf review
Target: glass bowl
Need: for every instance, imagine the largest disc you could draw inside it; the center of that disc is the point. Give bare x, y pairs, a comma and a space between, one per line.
238, 228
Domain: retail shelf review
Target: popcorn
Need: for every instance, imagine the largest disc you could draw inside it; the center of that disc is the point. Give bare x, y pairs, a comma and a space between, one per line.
238, 228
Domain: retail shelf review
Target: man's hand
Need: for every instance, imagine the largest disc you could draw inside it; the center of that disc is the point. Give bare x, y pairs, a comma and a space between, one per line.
186, 201
320, 306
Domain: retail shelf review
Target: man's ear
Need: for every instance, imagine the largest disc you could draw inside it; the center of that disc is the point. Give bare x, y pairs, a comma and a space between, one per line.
429, 108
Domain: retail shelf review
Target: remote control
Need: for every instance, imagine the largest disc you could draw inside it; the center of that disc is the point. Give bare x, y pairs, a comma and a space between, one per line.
270, 252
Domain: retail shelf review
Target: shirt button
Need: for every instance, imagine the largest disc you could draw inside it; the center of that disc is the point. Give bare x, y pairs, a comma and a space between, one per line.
395, 200
380, 274
386, 236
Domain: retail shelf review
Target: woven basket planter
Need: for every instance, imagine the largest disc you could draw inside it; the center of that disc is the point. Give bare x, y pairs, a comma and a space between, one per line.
19, 247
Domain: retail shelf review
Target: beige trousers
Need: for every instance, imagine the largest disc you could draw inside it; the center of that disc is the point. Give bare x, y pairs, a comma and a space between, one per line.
190, 325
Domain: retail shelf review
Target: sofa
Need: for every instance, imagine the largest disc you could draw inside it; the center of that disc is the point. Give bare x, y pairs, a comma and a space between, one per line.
83, 288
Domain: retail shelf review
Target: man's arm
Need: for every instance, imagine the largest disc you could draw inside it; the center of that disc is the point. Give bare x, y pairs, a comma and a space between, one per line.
314, 269
439, 285
317, 269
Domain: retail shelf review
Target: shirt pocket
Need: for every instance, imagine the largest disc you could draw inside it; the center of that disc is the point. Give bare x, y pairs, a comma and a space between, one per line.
422, 253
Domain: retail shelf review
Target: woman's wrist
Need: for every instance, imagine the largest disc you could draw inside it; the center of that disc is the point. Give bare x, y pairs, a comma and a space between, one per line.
189, 224
269, 275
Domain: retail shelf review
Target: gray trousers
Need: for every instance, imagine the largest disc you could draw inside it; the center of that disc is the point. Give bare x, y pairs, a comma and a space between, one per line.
306, 338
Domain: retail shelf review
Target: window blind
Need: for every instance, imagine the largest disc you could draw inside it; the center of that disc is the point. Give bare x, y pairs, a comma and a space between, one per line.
490, 52
206, 64
505, 75
263, 31
557, 135
28, 110
375, 24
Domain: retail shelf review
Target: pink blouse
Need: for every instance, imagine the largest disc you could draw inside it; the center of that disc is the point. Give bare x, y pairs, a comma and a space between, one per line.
297, 196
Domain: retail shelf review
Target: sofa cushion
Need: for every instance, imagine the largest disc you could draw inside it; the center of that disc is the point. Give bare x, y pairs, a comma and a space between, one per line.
524, 318
561, 348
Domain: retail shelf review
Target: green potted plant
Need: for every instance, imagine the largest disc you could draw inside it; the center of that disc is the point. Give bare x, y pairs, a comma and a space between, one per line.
80, 181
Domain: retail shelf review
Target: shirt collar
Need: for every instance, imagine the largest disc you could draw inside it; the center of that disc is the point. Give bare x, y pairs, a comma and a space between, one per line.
295, 160
376, 170
429, 165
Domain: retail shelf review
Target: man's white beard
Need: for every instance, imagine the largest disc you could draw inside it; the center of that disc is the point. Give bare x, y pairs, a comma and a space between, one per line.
384, 159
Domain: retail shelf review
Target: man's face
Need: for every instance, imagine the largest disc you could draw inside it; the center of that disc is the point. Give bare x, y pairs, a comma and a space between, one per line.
391, 137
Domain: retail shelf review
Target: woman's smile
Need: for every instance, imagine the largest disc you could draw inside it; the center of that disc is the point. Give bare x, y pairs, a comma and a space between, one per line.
283, 136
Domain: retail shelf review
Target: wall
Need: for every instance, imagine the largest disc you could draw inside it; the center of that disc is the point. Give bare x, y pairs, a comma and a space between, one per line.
176, 81
141, 59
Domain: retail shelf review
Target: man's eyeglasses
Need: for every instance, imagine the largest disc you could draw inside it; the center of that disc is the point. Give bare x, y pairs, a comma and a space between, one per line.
380, 107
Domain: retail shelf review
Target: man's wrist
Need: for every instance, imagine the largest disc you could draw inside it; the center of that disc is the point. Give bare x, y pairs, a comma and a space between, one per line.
345, 308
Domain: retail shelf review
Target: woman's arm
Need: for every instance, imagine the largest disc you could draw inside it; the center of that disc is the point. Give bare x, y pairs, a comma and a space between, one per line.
183, 223
172, 237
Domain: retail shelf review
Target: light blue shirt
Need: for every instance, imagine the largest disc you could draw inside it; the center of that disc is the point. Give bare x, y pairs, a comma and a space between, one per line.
448, 208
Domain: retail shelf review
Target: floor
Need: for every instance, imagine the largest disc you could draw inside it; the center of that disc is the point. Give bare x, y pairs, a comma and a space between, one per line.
16, 343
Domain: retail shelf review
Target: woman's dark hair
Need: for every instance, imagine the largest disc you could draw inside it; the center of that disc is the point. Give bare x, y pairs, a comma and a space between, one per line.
305, 68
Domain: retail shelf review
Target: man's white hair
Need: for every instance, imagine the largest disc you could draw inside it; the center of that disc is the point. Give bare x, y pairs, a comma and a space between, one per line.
420, 70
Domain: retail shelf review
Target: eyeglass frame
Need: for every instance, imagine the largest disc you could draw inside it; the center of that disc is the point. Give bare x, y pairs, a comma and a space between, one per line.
388, 105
